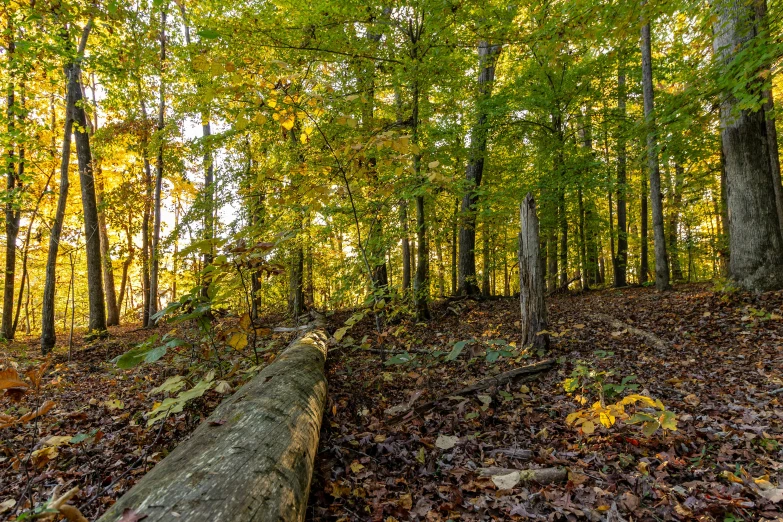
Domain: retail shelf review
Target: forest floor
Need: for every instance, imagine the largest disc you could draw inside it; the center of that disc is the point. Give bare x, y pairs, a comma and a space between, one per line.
713, 359
717, 365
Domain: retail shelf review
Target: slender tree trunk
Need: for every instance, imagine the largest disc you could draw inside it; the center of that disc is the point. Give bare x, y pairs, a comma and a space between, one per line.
661, 260
295, 283
644, 268
154, 271
48, 336
209, 199
487, 54
406, 248
441, 266
112, 309
621, 261
421, 290
97, 302
585, 275
563, 217
755, 241
454, 248
674, 222
12, 214
485, 257
145, 220
551, 252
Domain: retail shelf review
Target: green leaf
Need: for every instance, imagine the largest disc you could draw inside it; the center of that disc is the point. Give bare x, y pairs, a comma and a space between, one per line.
402, 358
155, 354
208, 34
571, 384
649, 428
639, 418
457, 350
668, 420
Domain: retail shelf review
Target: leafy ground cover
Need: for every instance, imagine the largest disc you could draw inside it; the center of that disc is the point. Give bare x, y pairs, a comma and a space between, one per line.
717, 368
712, 359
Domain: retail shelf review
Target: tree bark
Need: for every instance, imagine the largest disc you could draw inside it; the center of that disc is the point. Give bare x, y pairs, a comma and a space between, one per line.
156, 205
621, 261
97, 302
661, 260
755, 242
252, 460
145, 220
296, 304
48, 336
674, 222
531, 277
406, 248
12, 214
487, 55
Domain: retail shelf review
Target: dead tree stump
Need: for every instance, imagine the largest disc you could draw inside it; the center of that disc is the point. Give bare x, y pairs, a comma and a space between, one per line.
531, 277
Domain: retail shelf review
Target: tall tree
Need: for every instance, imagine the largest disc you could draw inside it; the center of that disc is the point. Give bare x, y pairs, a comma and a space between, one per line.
487, 57
12, 214
156, 205
48, 335
656, 197
621, 261
755, 242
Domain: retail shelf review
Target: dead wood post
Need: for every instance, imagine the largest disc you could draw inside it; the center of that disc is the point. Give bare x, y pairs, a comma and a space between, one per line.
252, 460
531, 277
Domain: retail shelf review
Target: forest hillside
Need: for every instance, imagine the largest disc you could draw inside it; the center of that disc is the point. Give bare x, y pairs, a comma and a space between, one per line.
537, 248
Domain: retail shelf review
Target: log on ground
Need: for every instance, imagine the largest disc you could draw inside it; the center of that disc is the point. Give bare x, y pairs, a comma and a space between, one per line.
252, 460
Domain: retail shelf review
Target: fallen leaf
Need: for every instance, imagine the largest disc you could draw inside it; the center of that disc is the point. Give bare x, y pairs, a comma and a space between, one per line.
446, 442
507, 481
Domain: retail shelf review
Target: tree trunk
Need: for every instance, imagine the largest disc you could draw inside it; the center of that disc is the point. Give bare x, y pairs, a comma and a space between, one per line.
296, 283
487, 54
48, 336
661, 260
531, 278
209, 199
97, 302
454, 248
12, 214
485, 259
253, 457
563, 217
145, 220
674, 222
644, 268
154, 271
551, 253
406, 248
621, 261
755, 242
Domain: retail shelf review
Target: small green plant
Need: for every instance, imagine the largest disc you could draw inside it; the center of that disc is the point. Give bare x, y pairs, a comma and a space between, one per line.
592, 383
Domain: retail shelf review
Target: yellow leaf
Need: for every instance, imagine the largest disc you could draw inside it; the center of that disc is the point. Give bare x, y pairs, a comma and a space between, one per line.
606, 419
588, 427
245, 321
114, 404
238, 340
288, 124
260, 119
433, 164
573, 416
58, 440
43, 455
356, 466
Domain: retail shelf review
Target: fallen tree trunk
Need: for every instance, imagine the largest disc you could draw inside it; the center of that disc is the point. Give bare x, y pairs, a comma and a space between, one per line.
523, 374
539, 476
252, 460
